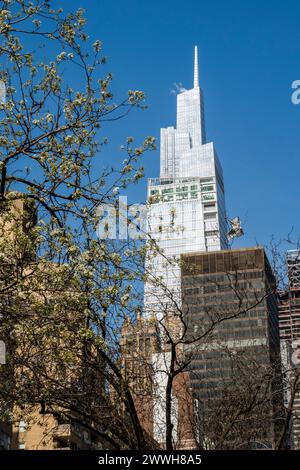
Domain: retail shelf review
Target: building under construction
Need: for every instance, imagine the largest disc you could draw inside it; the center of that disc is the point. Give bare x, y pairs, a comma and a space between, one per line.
289, 323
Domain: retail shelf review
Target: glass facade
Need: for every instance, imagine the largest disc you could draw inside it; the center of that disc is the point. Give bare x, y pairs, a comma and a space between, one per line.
186, 203
234, 290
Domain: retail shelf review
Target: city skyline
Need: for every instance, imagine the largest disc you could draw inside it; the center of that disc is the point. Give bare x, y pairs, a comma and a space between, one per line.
149, 301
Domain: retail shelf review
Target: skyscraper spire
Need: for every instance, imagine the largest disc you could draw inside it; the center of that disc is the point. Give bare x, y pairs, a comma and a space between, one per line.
196, 75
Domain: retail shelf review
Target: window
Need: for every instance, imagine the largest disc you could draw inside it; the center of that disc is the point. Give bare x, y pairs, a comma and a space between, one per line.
182, 196
209, 205
180, 189
207, 188
206, 180
210, 215
207, 197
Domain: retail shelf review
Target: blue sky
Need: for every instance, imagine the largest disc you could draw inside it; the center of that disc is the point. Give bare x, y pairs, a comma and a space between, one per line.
249, 56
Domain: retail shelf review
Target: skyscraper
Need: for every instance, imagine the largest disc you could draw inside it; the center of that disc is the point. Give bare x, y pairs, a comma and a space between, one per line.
231, 314
186, 215
186, 203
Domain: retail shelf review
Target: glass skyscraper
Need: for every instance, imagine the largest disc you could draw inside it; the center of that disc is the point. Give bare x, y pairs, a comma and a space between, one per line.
186, 203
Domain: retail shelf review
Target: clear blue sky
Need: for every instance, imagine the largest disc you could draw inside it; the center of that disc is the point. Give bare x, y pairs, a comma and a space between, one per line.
249, 56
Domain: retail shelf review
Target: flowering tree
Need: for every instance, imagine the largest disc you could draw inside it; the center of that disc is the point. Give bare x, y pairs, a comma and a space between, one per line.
64, 293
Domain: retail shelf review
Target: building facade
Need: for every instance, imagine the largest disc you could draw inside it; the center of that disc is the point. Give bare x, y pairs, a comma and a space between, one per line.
144, 359
289, 323
186, 214
25, 427
186, 202
231, 308
38, 432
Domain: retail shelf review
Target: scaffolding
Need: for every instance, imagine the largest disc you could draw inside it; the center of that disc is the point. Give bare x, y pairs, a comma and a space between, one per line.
293, 265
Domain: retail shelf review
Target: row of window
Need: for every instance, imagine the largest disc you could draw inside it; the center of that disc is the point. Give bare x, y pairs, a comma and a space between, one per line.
182, 192
183, 189
180, 197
